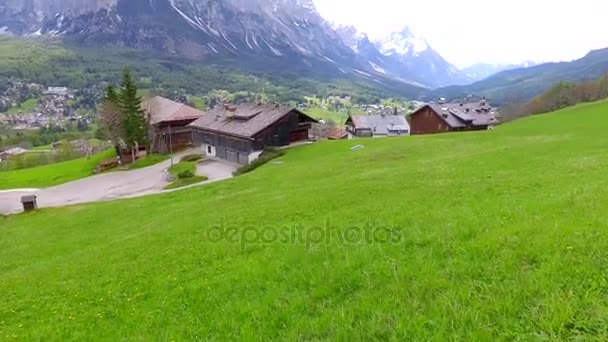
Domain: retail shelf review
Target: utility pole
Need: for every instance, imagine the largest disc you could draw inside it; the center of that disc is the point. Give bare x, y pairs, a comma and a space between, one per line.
170, 145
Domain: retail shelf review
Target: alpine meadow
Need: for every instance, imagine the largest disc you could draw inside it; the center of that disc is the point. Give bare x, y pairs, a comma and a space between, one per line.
480, 236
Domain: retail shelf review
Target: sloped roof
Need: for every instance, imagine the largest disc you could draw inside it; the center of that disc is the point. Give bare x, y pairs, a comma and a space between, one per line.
458, 115
164, 110
380, 124
245, 120
336, 133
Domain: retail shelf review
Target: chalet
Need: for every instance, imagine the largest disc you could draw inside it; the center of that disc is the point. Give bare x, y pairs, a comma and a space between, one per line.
238, 133
169, 122
377, 125
446, 117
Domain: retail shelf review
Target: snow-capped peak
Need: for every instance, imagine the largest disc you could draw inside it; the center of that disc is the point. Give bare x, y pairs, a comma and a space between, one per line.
403, 43
350, 36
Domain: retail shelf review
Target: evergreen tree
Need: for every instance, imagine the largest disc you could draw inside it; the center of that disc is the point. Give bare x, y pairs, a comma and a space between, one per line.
111, 95
135, 123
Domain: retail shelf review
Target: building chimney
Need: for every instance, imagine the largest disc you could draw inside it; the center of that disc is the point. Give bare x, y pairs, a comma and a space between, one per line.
445, 112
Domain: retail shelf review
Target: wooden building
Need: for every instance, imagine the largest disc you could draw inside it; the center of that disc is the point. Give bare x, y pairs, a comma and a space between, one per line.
237, 133
377, 125
169, 123
448, 117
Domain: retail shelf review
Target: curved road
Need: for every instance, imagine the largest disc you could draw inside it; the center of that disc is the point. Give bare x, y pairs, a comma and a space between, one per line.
121, 184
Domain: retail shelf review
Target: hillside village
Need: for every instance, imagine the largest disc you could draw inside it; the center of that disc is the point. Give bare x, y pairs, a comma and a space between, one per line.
239, 133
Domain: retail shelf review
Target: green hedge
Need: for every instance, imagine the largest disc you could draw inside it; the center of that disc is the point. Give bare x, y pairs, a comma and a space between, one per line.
266, 156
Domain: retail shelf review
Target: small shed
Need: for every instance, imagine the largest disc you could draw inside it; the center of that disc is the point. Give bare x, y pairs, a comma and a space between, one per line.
29, 203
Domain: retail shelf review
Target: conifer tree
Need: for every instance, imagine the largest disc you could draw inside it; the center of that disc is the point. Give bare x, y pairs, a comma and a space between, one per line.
135, 123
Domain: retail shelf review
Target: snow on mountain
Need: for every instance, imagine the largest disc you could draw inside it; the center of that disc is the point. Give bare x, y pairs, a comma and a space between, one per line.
402, 43
419, 60
265, 35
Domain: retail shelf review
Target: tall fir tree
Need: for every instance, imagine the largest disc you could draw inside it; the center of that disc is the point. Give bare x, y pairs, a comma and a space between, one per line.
135, 123
111, 95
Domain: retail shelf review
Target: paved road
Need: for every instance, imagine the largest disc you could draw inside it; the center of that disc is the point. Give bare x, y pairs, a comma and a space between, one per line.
124, 184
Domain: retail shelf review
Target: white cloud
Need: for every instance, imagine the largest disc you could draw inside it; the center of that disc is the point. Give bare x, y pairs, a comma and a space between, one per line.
470, 31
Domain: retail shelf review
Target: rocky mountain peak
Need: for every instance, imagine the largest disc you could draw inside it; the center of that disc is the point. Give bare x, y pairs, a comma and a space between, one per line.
403, 43
266, 35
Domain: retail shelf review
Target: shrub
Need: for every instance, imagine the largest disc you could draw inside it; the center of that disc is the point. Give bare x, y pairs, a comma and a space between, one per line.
185, 174
268, 155
192, 157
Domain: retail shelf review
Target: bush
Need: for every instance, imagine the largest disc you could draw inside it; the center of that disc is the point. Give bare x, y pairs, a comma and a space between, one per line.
268, 155
185, 174
192, 157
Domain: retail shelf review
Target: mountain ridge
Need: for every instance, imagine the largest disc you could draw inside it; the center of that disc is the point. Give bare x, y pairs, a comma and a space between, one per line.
287, 35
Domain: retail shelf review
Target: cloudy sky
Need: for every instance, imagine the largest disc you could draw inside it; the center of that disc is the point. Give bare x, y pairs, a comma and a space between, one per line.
494, 31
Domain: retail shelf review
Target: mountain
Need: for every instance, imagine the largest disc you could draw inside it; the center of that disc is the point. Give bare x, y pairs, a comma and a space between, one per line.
420, 60
280, 36
480, 71
524, 83
283, 37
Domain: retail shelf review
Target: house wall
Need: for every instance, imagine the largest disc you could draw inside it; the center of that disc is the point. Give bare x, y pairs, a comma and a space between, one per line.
426, 121
288, 129
181, 136
363, 133
233, 149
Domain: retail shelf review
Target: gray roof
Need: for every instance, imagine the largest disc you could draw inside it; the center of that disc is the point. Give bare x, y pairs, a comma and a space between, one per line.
458, 115
381, 124
245, 120
161, 109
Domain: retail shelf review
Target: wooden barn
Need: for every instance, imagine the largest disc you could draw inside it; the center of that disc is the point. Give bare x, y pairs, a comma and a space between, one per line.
448, 117
169, 123
238, 133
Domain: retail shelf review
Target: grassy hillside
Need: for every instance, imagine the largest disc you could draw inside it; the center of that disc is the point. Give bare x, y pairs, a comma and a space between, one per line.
496, 235
52, 174
26, 107
326, 114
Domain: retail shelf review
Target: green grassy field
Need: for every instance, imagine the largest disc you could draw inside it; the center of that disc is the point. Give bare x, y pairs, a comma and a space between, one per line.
325, 114
52, 174
148, 160
498, 235
26, 107
183, 166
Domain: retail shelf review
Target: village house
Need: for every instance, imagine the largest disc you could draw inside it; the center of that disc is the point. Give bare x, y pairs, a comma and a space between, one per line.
447, 117
377, 125
169, 123
239, 133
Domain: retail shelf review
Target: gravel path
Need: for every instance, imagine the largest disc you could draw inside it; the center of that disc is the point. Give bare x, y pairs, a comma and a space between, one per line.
124, 184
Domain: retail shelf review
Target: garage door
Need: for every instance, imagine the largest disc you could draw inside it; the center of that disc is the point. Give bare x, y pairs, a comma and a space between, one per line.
232, 156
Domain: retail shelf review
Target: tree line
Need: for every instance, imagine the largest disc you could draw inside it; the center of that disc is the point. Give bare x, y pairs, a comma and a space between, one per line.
561, 95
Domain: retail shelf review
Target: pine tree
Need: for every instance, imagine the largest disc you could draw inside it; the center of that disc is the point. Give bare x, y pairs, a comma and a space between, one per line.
111, 95
135, 123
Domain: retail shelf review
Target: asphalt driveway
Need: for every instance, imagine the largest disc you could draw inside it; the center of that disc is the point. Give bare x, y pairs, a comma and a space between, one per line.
124, 184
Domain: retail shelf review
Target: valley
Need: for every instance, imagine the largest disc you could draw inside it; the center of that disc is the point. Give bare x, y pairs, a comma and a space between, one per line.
316, 170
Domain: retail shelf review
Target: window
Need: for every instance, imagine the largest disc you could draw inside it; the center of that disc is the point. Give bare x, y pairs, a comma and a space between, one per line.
209, 149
